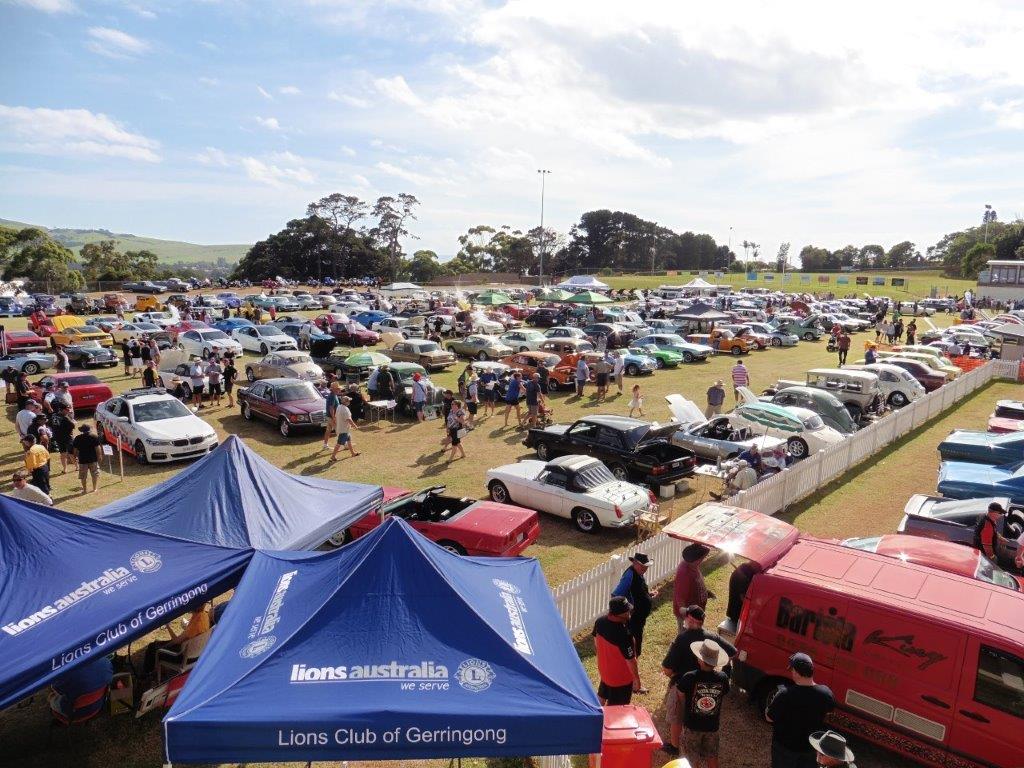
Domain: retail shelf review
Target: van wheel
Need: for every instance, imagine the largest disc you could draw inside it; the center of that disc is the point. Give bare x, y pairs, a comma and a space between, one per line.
797, 448
31, 368
897, 400
499, 492
585, 520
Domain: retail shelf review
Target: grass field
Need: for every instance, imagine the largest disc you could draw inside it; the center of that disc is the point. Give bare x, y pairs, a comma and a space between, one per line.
917, 285
407, 454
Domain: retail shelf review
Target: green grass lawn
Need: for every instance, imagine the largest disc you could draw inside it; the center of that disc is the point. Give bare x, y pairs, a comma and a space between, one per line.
918, 284
407, 454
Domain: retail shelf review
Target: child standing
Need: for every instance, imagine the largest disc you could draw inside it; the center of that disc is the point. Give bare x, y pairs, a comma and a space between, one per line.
636, 403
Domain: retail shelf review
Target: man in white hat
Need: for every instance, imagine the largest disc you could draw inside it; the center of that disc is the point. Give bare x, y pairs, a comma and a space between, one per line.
703, 691
832, 750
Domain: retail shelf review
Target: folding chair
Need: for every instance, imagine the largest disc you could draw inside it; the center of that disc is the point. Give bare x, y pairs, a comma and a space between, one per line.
182, 659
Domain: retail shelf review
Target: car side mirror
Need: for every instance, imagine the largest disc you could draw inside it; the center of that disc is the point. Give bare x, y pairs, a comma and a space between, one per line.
123, 419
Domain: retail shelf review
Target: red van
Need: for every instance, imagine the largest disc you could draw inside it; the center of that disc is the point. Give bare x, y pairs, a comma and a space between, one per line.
926, 663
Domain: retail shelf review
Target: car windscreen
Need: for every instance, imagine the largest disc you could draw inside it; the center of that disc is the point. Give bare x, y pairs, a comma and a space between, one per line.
812, 423
78, 381
428, 347
297, 359
299, 391
159, 410
212, 335
268, 330
993, 574
1009, 412
593, 476
84, 329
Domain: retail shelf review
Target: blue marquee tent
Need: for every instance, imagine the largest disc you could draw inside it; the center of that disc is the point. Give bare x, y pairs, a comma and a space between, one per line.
233, 497
390, 648
72, 588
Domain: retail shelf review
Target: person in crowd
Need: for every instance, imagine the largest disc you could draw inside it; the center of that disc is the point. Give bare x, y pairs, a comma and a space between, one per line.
385, 384
843, 347
154, 351
214, 373
62, 425
545, 376
419, 396
149, 375
197, 381
616, 655
343, 425
911, 332
463, 379
831, 750
25, 491
703, 691
515, 387
145, 351
489, 391
870, 356
797, 710
716, 399
10, 376
330, 407
136, 353
582, 374
472, 399
534, 399
26, 416
602, 369
633, 587
456, 423
740, 378
199, 623
23, 389
85, 678
229, 376
63, 361
356, 402
126, 355
37, 462
636, 402
40, 430
86, 449
619, 371
688, 587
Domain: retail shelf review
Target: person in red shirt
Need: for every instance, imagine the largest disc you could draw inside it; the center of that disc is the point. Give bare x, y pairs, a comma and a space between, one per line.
616, 654
689, 588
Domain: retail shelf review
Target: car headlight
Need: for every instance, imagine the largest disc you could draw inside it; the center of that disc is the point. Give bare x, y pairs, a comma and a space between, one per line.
298, 417
151, 441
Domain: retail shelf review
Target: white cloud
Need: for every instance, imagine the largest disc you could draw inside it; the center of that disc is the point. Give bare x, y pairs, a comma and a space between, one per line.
277, 174
348, 151
403, 173
289, 90
270, 123
209, 81
141, 11
360, 180
114, 43
209, 46
265, 93
1009, 113
396, 89
345, 98
212, 156
71, 132
48, 6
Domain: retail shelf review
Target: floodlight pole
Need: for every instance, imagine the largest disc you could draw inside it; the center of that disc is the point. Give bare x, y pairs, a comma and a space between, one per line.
540, 271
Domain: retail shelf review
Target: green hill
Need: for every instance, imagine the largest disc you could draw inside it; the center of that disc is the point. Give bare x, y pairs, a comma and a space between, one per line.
169, 251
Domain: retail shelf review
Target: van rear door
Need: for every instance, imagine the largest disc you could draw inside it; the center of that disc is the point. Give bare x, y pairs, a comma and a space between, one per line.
988, 720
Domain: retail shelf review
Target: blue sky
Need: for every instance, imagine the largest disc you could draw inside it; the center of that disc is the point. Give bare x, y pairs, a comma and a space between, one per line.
217, 121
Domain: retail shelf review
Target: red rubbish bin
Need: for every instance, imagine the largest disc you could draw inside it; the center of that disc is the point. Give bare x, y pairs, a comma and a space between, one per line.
629, 738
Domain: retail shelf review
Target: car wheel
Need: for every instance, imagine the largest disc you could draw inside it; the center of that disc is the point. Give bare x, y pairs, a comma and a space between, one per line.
659, 362
453, 547
284, 427
140, 453
620, 472
553, 385
776, 342
499, 492
264, 349
543, 451
687, 357
246, 411
482, 356
808, 336
898, 400
736, 351
340, 539
31, 368
797, 448
585, 520
524, 349
250, 374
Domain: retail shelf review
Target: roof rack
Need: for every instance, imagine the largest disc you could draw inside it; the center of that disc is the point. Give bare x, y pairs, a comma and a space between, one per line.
143, 391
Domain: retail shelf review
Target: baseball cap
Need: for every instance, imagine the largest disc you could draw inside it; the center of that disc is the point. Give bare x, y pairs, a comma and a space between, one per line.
802, 664
695, 612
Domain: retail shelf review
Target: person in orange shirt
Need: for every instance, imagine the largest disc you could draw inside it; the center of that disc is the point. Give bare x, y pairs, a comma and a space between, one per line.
199, 623
37, 462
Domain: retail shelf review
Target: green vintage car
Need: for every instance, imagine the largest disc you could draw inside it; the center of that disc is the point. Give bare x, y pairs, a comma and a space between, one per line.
665, 358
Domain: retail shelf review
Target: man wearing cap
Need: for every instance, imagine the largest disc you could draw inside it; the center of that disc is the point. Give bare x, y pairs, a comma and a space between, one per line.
679, 661
688, 587
703, 691
988, 529
616, 654
633, 587
25, 491
797, 710
716, 398
831, 749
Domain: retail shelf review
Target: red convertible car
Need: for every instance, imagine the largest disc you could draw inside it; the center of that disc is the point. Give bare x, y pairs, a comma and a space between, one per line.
1007, 417
460, 525
86, 389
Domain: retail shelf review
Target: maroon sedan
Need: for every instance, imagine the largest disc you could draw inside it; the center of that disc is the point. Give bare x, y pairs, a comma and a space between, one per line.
460, 525
928, 378
293, 405
25, 341
353, 334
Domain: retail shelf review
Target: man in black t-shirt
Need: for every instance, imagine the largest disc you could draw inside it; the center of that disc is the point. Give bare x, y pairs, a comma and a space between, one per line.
677, 662
63, 428
86, 448
797, 710
703, 691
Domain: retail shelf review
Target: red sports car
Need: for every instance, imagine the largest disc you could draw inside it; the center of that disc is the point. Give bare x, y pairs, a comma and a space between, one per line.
87, 391
186, 325
460, 525
1007, 417
25, 341
40, 323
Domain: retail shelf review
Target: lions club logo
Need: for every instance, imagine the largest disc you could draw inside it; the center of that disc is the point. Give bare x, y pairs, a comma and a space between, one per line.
257, 647
475, 675
145, 561
505, 586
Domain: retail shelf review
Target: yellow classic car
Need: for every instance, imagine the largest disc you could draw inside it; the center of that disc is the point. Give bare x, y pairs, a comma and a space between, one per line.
72, 329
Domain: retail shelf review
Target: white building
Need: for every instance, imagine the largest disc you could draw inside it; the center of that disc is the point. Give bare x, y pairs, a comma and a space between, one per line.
1002, 281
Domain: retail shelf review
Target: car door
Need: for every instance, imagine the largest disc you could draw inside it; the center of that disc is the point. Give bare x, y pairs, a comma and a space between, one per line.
548, 492
988, 719
256, 395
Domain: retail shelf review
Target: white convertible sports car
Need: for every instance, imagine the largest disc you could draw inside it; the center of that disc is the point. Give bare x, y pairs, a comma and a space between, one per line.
263, 338
154, 427
580, 488
203, 342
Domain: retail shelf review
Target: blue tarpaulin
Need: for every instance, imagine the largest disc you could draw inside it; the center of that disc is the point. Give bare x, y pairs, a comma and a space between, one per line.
390, 648
233, 497
72, 588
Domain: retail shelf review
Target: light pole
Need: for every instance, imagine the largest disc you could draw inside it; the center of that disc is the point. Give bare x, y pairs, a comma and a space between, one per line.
989, 215
543, 178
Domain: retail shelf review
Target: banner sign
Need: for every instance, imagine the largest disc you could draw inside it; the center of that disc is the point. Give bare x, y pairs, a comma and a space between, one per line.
878, 281
805, 278
752, 277
842, 280
769, 277
786, 278
862, 281
823, 278
899, 281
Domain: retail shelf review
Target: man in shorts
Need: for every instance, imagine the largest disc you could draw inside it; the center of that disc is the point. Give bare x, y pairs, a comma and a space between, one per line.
86, 448
703, 692
616, 654
344, 425
198, 382
419, 396
213, 378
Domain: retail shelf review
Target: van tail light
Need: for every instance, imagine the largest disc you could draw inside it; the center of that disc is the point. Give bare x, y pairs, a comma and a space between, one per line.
744, 616
618, 511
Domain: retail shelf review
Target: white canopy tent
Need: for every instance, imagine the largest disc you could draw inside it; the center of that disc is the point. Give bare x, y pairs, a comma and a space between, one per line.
583, 283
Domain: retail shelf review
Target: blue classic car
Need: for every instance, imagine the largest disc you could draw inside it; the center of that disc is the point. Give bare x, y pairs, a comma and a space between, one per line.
982, 447
229, 324
966, 480
635, 362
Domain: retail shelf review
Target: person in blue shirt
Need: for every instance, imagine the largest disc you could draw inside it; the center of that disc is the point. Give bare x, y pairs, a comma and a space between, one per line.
515, 387
489, 390
582, 374
633, 587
